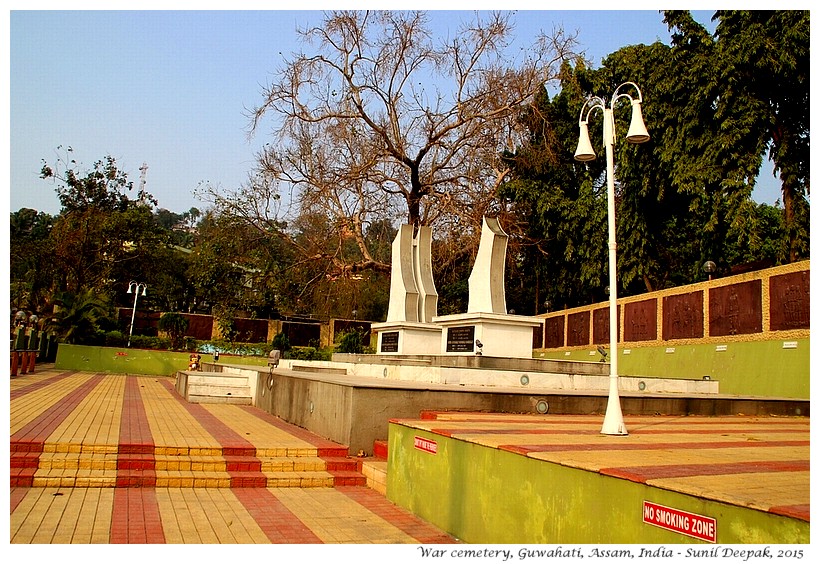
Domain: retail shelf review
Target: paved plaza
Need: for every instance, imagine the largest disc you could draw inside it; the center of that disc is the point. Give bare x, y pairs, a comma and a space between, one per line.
124, 459
112, 458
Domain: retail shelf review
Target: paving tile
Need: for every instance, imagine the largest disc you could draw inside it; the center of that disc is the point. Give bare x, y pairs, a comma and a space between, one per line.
80, 437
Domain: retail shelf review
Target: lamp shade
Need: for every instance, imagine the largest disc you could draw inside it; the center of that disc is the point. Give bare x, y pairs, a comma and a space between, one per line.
584, 152
637, 130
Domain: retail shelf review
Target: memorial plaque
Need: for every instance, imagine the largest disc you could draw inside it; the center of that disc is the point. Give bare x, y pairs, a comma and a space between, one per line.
390, 342
578, 329
789, 301
736, 309
600, 325
683, 316
641, 321
554, 330
461, 339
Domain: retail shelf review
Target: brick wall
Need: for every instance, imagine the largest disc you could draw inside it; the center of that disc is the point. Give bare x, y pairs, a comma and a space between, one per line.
762, 305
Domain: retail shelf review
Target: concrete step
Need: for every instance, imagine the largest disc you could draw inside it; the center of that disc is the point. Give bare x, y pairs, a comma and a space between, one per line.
375, 473
233, 399
97, 468
214, 387
380, 449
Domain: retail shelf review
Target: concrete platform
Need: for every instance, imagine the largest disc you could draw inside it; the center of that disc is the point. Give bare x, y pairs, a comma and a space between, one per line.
354, 410
503, 478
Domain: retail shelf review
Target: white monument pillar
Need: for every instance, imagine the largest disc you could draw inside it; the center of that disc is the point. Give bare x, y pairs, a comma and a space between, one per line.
413, 298
487, 328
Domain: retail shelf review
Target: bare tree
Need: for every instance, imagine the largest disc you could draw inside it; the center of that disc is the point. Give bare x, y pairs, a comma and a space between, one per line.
380, 118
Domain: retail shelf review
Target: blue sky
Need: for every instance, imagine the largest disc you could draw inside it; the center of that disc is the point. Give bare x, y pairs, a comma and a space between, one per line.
171, 89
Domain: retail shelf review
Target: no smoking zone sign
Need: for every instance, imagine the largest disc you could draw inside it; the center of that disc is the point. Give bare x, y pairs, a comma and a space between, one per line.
690, 524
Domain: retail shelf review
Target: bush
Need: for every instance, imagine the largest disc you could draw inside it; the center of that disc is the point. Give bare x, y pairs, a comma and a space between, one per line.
351, 342
149, 342
115, 339
175, 324
309, 353
281, 342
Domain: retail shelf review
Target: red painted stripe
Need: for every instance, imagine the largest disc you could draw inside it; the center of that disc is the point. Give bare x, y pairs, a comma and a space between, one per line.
33, 387
643, 473
136, 462
802, 512
527, 449
233, 444
36, 431
400, 518
17, 495
135, 518
278, 523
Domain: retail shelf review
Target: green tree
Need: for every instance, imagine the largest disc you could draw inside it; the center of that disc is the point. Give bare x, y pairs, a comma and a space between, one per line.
80, 318
681, 199
764, 95
31, 259
175, 325
101, 238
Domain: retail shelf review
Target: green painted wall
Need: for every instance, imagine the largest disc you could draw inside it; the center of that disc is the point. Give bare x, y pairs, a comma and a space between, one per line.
488, 496
135, 361
756, 368
120, 360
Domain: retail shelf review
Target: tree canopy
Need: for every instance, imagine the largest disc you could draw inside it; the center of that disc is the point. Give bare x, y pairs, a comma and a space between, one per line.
378, 122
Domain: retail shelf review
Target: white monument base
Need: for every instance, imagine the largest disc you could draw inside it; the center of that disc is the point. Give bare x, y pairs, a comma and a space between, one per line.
405, 337
491, 334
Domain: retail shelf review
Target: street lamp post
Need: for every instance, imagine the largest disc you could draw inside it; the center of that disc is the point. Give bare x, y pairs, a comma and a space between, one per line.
613, 420
134, 288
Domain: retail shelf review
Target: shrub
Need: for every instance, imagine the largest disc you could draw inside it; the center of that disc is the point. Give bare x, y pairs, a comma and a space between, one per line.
115, 339
175, 324
281, 342
309, 353
149, 342
351, 342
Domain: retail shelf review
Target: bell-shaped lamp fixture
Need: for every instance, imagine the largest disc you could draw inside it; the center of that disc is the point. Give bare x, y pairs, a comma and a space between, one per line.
584, 152
637, 130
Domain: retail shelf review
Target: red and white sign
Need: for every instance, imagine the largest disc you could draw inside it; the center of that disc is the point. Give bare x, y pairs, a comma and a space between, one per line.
690, 524
425, 444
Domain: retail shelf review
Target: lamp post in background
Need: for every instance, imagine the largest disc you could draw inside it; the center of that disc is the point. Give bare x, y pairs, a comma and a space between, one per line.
709, 268
613, 420
134, 288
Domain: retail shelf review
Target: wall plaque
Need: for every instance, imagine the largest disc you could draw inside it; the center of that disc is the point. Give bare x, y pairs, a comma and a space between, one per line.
600, 325
390, 341
554, 332
736, 309
461, 339
578, 329
789, 301
683, 316
641, 321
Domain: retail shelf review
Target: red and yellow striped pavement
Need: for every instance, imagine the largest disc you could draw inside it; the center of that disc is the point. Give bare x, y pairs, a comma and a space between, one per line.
749, 461
101, 458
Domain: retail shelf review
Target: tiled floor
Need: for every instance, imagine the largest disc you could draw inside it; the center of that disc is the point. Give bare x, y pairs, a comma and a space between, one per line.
81, 443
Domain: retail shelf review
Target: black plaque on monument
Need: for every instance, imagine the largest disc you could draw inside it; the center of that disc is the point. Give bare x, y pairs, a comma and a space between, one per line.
390, 342
461, 339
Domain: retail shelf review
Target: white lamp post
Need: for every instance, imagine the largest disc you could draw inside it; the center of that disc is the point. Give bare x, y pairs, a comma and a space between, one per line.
614, 419
134, 288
